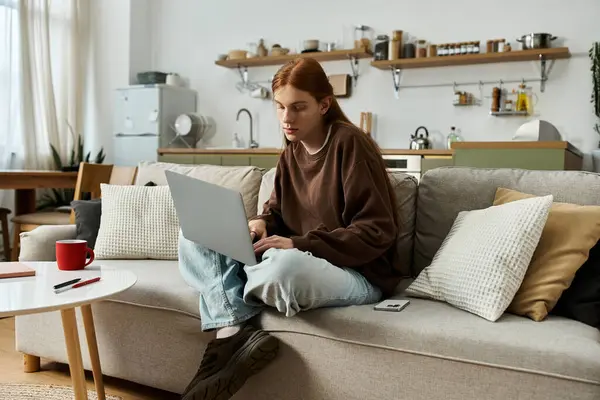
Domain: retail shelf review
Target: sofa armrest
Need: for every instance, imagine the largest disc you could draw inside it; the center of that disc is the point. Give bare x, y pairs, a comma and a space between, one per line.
40, 243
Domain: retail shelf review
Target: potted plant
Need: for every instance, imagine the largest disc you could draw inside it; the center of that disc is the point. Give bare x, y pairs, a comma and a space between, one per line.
595, 58
55, 198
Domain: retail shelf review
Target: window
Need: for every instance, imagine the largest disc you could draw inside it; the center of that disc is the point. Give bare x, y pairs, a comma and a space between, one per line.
9, 81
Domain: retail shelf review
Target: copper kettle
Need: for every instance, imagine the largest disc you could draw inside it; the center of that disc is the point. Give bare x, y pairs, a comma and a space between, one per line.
418, 141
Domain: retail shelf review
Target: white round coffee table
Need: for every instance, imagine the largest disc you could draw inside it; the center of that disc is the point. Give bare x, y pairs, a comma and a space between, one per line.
35, 294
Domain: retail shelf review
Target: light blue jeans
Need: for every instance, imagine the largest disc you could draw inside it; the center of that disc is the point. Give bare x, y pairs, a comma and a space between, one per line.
289, 280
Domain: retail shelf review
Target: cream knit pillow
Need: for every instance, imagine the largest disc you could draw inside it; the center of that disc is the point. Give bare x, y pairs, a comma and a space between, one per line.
137, 222
484, 258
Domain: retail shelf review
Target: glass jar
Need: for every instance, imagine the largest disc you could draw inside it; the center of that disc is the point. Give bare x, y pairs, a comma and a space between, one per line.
463, 48
421, 49
381, 48
408, 49
442, 50
433, 50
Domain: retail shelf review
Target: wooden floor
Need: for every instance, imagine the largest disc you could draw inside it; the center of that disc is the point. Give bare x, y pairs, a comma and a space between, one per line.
11, 371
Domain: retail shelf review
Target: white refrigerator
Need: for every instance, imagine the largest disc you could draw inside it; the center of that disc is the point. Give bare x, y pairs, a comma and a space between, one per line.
144, 119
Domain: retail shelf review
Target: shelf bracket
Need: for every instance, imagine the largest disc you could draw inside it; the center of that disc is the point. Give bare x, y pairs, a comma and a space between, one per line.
544, 72
354, 65
243, 73
396, 77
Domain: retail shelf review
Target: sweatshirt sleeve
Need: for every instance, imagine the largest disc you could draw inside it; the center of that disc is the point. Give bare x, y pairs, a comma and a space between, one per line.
272, 208
370, 214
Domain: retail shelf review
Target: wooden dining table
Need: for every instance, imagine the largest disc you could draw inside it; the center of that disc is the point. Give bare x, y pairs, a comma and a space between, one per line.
25, 183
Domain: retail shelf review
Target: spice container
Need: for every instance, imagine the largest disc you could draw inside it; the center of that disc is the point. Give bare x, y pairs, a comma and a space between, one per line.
421, 49
408, 50
501, 43
476, 48
507, 47
463, 48
442, 50
508, 105
432, 50
489, 46
381, 47
395, 48
496, 99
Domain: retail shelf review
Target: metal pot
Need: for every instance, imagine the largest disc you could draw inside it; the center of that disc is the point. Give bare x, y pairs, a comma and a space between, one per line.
536, 40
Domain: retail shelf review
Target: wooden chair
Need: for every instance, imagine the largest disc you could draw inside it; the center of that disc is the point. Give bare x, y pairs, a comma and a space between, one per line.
5, 234
89, 178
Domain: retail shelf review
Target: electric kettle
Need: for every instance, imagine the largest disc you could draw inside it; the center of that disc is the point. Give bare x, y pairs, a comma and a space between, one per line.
418, 141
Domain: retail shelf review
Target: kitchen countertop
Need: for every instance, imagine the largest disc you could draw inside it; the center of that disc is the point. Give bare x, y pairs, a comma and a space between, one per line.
275, 151
519, 145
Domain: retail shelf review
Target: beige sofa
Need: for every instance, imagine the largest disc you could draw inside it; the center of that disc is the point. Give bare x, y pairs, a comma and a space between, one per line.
151, 333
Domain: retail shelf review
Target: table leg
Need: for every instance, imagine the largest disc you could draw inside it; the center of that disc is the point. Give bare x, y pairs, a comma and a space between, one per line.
69, 321
25, 201
90, 334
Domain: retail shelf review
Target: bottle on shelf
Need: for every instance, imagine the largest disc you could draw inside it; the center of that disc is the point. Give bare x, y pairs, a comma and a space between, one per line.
452, 137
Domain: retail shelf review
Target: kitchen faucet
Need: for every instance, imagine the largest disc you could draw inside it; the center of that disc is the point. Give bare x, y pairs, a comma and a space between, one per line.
253, 144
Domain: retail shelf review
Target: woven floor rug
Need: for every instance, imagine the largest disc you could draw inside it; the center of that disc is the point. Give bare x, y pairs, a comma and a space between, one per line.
18, 391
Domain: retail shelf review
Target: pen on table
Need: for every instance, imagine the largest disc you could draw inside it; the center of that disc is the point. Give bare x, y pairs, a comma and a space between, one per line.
76, 285
67, 283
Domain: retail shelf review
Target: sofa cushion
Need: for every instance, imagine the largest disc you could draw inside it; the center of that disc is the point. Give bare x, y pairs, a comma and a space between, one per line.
137, 222
556, 346
482, 262
405, 189
446, 191
569, 234
581, 301
265, 190
246, 180
159, 285
88, 215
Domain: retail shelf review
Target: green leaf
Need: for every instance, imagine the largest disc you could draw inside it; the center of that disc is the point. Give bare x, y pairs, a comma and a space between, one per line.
79, 149
72, 159
87, 157
56, 157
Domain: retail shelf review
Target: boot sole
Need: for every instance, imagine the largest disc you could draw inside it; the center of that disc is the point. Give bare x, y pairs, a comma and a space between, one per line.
256, 353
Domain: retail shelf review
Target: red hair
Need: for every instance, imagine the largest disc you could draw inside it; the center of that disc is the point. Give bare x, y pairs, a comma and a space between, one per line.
306, 74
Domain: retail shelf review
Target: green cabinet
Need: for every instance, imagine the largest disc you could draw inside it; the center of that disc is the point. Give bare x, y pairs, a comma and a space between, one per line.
534, 159
432, 162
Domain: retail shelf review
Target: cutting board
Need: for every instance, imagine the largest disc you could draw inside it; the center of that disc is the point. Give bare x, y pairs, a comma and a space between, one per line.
341, 85
15, 270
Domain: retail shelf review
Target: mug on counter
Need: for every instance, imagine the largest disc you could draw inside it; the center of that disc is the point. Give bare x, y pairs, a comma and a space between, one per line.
72, 255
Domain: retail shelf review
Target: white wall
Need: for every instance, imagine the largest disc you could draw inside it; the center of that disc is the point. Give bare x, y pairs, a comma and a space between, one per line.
189, 34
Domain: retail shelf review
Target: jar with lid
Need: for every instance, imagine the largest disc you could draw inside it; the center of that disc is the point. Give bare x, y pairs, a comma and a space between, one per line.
457, 49
442, 50
395, 49
408, 49
450, 48
476, 48
507, 47
381, 47
501, 43
421, 48
463, 48
433, 50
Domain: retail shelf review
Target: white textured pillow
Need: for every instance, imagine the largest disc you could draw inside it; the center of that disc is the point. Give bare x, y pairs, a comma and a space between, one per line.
483, 260
137, 222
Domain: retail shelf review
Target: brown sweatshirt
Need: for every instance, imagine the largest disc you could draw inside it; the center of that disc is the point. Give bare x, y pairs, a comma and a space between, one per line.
335, 204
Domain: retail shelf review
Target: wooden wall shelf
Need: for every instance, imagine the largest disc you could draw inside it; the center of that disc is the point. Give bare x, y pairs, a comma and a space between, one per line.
474, 59
336, 55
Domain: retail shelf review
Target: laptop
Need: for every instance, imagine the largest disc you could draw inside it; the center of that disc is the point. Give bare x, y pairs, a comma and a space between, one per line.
212, 216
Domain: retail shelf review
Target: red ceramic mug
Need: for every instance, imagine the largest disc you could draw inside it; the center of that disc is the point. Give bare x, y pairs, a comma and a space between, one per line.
73, 254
